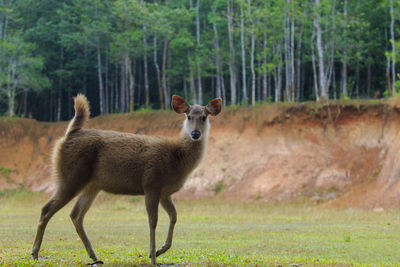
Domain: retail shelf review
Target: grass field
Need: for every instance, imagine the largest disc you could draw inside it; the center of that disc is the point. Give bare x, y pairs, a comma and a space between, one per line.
210, 232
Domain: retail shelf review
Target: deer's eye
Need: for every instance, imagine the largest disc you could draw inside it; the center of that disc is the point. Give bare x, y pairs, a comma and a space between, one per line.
189, 118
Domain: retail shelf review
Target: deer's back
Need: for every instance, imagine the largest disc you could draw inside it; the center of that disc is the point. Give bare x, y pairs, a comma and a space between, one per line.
124, 163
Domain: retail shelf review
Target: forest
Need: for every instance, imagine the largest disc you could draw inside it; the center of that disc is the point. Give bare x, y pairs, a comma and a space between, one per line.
127, 55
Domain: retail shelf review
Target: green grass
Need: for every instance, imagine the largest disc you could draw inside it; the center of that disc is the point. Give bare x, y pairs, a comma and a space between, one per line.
210, 232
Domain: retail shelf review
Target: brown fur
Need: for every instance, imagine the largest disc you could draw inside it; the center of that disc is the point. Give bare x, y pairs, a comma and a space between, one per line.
86, 161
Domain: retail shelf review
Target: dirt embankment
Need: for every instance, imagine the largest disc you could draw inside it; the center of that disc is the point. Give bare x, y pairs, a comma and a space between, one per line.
345, 154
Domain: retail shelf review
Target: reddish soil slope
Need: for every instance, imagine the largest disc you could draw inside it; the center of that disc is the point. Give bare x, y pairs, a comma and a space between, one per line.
345, 154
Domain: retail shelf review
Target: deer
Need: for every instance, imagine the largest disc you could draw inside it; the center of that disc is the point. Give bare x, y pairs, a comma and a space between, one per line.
86, 161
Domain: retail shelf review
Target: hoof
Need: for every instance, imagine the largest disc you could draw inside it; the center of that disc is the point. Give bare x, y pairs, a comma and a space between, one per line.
96, 263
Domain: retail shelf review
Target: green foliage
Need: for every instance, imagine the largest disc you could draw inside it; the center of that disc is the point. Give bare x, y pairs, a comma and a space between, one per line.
344, 96
5, 171
219, 187
386, 94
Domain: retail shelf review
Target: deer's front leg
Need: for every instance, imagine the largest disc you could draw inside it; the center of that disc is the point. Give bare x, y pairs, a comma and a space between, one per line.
152, 200
169, 207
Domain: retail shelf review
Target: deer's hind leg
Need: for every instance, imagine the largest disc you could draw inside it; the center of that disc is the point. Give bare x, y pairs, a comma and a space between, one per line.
169, 207
82, 205
59, 200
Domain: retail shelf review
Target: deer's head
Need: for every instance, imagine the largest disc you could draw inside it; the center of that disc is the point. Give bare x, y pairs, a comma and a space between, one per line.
196, 124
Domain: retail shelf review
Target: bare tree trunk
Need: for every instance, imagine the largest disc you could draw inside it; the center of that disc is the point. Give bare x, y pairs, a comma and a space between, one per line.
164, 75
369, 79
344, 63
242, 45
298, 63
160, 94
122, 86
388, 81
146, 79
192, 86
265, 81
253, 73
85, 69
116, 97
185, 92
112, 86
278, 74
106, 87
331, 65
60, 85
132, 85
334, 84
199, 85
217, 60
11, 88
292, 70
232, 55
322, 78
315, 75
101, 88
393, 48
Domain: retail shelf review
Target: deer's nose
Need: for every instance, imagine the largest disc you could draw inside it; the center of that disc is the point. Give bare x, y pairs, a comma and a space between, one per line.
195, 135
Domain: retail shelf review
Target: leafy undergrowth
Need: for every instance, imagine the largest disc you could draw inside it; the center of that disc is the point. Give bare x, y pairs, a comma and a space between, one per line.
209, 232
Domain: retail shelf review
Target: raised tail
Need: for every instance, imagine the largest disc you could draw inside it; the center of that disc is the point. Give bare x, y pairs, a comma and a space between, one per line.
82, 113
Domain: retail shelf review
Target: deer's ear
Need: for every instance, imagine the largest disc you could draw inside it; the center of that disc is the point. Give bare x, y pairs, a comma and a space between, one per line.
214, 106
179, 104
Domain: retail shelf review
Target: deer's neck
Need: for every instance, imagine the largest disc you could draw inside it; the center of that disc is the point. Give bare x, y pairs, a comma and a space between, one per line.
193, 151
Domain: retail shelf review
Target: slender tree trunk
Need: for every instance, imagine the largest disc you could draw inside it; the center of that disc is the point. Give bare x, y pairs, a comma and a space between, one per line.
334, 84
320, 48
232, 54
344, 63
242, 46
278, 74
388, 81
106, 86
132, 86
315, 74
122, 86
112, 86
185, 92
164, 74
11, 87
199, 85
117, 86
60, 85
331, 65
127, 95
288, 83
145, 67
99, 72
160, 93
265, 81
192, 86
253, 44
298, 63
292, 69
217, 60
85, 68
393, 47
369, 80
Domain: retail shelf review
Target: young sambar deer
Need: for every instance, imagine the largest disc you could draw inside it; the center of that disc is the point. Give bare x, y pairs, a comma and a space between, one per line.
86, 161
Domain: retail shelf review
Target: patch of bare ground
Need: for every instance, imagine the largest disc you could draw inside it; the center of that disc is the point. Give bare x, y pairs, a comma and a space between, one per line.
344, 154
